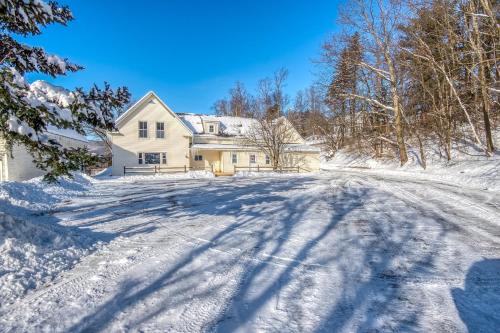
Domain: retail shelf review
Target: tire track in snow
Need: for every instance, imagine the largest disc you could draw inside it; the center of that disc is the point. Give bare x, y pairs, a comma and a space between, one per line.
443, 198
404, 194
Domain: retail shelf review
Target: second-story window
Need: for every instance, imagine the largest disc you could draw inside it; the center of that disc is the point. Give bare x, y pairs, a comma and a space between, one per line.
211, 128
143, 129
160, 130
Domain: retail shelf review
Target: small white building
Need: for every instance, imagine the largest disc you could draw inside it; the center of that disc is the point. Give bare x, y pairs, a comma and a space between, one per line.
19, 165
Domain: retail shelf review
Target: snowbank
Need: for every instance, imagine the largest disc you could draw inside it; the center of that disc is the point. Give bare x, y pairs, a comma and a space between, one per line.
469, 166
32, 254
19, 198
32, 249
158, 176
242, 174
104, 173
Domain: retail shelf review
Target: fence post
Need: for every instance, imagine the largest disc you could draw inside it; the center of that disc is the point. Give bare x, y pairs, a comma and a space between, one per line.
258, 168
185, 168
124, 170
234, 166
212, 168
298, 169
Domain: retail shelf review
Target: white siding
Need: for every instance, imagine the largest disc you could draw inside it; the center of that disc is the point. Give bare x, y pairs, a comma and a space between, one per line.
20, 165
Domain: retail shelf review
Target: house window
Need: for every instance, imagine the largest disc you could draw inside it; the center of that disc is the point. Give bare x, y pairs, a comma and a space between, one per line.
163, 158
143, 129
160, 130
141, 158
252, 158
198, 157
152, 158
211, 128
234, 158
268, 159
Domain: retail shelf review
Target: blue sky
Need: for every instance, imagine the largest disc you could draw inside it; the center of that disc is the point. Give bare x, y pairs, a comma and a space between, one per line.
190, 52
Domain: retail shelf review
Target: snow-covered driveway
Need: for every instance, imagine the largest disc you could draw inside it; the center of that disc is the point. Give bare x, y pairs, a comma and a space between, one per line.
335, 252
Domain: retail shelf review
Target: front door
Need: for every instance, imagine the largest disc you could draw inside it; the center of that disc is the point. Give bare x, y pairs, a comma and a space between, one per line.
215, 162
216, 166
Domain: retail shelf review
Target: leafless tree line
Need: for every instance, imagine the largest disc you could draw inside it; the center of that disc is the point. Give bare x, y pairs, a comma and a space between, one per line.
401, 73
414, 72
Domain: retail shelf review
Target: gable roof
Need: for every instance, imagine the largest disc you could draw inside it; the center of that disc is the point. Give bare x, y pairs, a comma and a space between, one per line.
134, 108
232, 126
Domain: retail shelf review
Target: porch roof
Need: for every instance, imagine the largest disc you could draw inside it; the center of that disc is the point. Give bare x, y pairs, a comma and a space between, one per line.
221, 147
215, 146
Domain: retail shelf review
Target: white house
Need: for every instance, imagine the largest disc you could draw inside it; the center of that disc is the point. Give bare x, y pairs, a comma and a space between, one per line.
150, 134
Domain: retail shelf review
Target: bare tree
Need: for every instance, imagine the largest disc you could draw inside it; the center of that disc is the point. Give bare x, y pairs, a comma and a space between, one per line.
427, 72
271, 136
221, 107
377, 22
239, 103
271, 98
451, 56
307, 114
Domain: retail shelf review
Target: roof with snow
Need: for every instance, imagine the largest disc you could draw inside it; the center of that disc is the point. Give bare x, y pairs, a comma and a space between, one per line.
234, 126
68, 133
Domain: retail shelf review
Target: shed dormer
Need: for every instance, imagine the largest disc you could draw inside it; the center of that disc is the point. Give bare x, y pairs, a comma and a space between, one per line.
211, 126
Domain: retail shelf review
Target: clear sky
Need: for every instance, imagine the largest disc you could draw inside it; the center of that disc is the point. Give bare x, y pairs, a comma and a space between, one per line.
190, 52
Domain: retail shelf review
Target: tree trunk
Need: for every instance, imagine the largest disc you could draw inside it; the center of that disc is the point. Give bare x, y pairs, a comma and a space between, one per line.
423, 160
403, 155
482, 82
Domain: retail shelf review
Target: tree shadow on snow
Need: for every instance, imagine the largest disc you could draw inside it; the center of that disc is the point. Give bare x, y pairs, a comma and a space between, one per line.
377, 250
225, 200
478, 304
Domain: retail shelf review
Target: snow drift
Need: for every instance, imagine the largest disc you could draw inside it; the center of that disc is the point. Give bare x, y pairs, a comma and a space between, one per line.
32, 254
469, 166
242, 174
105, 176
34, 195
34, 250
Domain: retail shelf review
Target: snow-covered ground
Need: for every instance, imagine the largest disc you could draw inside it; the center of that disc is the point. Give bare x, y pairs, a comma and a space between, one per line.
246, 174
33, 251
106, 175
468, 166
338, 251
